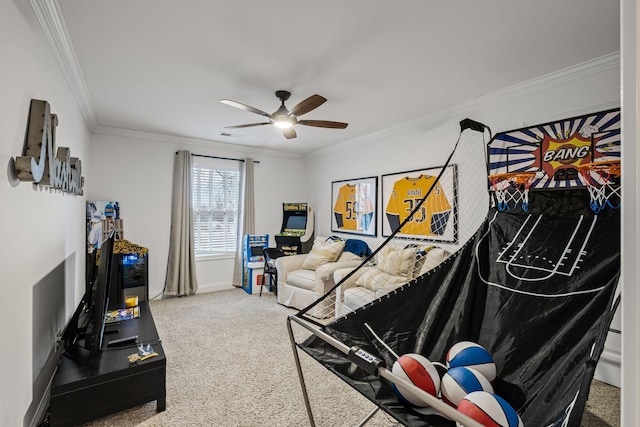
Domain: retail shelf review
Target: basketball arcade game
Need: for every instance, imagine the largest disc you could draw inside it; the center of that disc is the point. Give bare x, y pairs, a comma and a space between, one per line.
580, 152
534, 284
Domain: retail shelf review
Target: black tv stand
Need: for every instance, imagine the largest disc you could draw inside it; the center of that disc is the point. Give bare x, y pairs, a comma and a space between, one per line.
122, 341
93, 384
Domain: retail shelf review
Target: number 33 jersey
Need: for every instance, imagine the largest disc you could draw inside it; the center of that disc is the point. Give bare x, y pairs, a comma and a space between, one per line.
430, 219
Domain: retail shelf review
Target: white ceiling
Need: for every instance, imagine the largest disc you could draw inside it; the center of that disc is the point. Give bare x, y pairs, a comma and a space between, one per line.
162, 66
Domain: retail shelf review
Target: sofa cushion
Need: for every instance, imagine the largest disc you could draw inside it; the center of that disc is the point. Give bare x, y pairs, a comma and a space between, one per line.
322, 252
357, 297
397, 261
304, 279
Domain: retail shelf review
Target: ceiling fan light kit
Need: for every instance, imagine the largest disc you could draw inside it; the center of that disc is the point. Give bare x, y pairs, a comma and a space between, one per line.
282, 123
285, 119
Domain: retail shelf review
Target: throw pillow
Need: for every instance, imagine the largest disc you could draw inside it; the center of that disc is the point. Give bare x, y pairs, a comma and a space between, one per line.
321, 253
397, 261
433, 258
376, 280
349, 256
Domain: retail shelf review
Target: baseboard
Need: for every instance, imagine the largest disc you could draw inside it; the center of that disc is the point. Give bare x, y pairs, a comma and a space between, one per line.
608, 368
41, 410
213, 287
41, 391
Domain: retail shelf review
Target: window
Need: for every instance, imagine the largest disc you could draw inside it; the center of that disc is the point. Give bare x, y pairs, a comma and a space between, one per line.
216, 189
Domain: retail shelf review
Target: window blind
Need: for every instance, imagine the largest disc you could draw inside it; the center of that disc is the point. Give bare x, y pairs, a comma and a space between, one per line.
215, 192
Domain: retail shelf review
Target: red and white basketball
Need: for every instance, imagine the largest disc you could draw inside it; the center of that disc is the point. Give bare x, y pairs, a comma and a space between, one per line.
472, 355
418, 370
489, 410
458, 382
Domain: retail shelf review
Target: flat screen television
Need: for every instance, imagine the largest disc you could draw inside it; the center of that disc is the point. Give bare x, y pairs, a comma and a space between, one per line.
98, 301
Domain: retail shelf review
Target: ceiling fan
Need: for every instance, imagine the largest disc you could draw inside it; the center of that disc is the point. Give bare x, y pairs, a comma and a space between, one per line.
285, 119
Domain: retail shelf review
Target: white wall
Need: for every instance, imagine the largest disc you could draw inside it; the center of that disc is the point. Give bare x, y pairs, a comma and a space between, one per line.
137, 169
41, 230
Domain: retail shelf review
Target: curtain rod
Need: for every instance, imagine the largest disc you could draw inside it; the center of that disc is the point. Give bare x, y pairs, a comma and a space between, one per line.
221, 158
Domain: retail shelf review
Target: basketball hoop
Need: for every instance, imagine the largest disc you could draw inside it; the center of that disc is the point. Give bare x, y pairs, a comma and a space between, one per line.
602, 181
511, 189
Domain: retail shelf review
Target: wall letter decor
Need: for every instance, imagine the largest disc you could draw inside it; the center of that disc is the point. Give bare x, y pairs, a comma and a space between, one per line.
37, 163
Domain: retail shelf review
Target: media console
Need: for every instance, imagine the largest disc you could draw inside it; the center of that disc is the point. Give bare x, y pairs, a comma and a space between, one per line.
92, 384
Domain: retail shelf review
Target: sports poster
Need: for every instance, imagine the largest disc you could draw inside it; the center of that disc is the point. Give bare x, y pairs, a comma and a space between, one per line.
354, 206
102, 217
434, 219
556, 150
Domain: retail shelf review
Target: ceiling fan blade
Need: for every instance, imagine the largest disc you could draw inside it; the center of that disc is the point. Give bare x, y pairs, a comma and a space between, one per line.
244, 107
289, 133
311, 103
323, 124
247, 125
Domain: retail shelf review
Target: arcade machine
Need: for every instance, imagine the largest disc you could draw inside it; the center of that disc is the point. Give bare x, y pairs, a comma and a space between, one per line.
296, 235
253, 260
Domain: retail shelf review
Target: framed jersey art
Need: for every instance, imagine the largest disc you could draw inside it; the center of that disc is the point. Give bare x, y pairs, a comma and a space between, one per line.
354, 204
435, 219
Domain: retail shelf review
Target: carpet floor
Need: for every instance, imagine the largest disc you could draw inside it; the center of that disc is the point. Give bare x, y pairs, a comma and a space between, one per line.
230, 363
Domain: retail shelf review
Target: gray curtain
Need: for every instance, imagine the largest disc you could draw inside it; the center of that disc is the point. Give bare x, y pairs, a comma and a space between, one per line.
247, 215
181, 267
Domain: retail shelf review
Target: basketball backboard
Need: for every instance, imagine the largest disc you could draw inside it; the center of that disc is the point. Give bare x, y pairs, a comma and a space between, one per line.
556, 150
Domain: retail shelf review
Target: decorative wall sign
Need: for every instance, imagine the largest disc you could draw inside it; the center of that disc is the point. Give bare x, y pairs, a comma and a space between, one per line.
435, 220
38, 163
557, 150
354, 203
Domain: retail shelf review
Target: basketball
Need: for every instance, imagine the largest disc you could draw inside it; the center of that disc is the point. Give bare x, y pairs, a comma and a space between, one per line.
460, 381
418, 370
472, 355
490, 410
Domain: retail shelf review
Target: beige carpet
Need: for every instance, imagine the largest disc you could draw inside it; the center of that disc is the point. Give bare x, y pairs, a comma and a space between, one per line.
230, 363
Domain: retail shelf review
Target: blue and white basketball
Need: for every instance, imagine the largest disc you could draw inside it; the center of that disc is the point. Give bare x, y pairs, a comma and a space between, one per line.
418, 370
489, 410
472, 355
457, 382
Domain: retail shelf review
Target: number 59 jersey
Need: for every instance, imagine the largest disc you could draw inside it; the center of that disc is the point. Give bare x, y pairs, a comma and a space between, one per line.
353, 209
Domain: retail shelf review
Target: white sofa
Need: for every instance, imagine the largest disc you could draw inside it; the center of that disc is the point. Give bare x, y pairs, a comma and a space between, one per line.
373, 281
299, 284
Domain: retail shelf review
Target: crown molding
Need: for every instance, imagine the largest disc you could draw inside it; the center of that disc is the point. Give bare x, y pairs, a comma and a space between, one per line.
557, 78
573, 112
190, 142
55, 30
